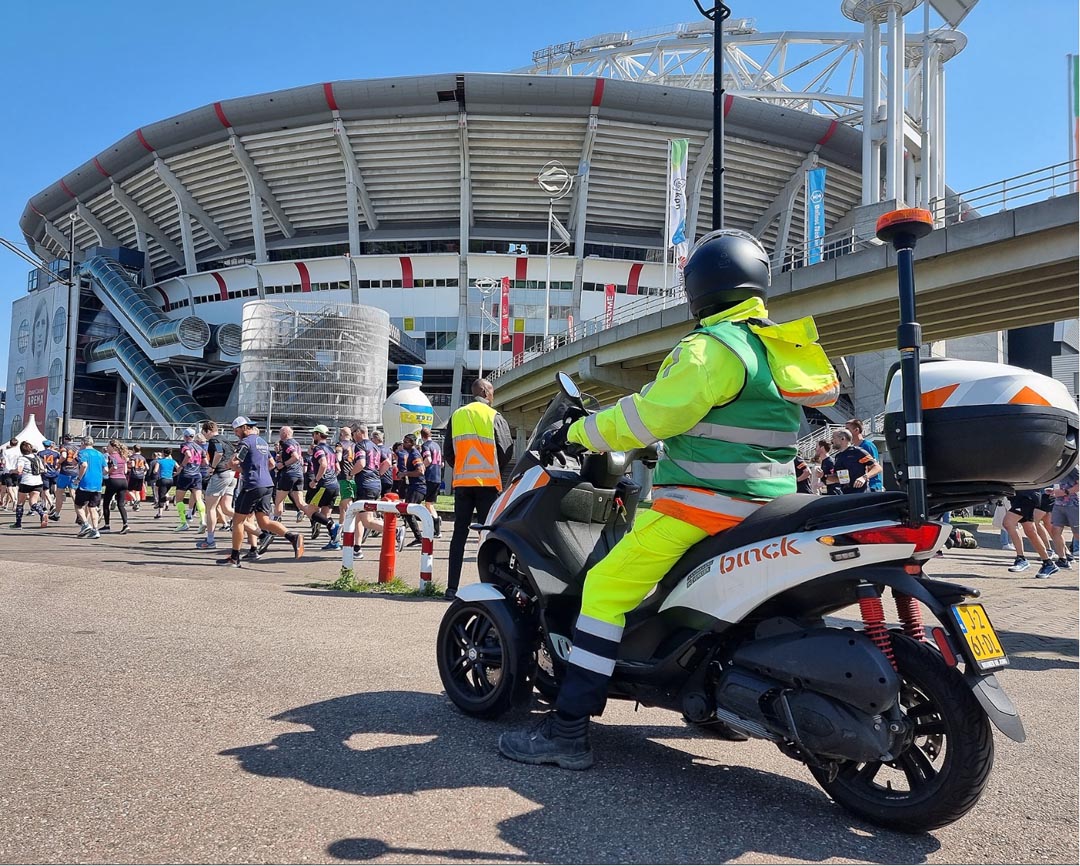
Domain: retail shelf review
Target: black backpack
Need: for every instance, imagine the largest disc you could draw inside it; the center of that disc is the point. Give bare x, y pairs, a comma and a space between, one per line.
37, 465
227, 451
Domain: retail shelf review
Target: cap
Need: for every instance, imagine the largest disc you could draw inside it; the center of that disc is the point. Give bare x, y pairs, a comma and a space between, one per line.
240, 421
189, 432
48, 443
321, 428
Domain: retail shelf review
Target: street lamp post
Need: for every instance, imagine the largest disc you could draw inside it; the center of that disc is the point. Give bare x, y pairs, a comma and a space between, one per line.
557, 182
486, 286
718, 14
74, 292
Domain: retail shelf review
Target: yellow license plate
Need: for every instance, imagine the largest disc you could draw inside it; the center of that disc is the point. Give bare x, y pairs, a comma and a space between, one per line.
981, 638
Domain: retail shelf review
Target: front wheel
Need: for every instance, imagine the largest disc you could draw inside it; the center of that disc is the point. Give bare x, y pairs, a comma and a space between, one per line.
483, 663
941, 774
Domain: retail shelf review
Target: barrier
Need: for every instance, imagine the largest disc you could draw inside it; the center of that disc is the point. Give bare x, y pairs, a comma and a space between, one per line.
383, 506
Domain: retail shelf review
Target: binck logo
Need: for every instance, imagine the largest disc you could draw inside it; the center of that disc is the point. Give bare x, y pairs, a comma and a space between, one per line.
772, 550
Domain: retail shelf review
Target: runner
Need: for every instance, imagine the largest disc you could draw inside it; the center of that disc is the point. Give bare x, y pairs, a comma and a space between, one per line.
116, 485
416, 486
324, 488
164, 472
433, 461
29, 469
9, 475
221, 483
290, 474
136, 477
386, 480
252, 460
370, 465
189, 480
66, 481
345, 452
51, 458
88, 492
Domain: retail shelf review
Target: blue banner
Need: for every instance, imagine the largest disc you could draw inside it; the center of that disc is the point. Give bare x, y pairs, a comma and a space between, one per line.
815, 214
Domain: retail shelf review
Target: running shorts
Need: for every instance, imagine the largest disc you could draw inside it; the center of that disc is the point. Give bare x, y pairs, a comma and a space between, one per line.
289, 483
221, 483
65, 482
189, 482
256, 500
1024, 504
348, 488
84, 498
324, 496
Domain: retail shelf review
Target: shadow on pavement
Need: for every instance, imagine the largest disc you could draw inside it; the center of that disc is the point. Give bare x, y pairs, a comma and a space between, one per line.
1017, 643
643, 802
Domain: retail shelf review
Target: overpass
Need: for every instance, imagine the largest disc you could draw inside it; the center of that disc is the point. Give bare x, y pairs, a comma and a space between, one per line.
1005, 270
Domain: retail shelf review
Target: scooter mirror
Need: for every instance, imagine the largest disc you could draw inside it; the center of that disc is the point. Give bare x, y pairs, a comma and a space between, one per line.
566, 384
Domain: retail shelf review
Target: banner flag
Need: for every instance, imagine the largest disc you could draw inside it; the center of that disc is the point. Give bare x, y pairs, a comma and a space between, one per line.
609, 304
815, 214
677, 206
504, 312
570, 324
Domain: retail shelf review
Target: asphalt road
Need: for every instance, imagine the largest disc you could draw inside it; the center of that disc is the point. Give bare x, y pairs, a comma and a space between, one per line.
156, 709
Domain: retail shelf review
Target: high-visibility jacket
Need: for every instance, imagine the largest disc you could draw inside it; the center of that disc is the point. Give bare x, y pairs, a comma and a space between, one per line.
476, 462
726, 403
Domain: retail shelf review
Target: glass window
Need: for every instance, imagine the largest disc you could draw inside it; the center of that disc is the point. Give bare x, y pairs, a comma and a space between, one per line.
59, 324
24, 335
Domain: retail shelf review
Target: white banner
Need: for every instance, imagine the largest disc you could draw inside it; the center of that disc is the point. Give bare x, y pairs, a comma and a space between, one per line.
678, 156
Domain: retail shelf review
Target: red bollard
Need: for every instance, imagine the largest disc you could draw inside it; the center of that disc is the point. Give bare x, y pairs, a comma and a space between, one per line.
388, 549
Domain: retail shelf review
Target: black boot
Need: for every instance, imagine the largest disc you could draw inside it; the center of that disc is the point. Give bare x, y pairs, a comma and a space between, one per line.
438, 527
554, 740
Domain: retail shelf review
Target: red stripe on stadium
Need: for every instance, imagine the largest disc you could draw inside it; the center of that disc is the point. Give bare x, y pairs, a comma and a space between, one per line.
143, 141
100, 167
728, 101
222, 288
521, 268
406, 272
64, 187
35, 210
305, 276
632, 280
328, 92
220, 112
829, 133
598, 93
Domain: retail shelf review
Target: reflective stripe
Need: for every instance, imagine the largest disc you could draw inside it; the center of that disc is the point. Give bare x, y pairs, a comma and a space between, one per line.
634, 422
736, 471
592, 662
599, 628
473, 437
914, 472
592, 433
914, 429
716, 503
745, 435
674, 360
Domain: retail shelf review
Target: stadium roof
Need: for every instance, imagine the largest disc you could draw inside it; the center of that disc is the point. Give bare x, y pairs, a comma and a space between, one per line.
412, 145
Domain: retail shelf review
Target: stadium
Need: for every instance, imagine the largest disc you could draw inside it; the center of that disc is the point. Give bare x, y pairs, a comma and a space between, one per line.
416, 196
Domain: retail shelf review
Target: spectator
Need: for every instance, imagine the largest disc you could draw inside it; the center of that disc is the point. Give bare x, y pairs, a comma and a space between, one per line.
851, 465
855, 428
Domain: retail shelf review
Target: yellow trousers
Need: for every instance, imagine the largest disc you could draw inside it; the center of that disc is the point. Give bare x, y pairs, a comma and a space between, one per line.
621, 580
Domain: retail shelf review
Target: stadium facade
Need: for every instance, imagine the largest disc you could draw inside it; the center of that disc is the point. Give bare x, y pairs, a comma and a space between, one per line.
403, 194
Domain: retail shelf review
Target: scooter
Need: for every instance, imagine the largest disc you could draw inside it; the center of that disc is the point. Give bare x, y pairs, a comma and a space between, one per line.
894, 724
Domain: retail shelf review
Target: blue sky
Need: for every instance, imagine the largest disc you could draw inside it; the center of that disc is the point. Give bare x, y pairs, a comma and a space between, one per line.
77, 76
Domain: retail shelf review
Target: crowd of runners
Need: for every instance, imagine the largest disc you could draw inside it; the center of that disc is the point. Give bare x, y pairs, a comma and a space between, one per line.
239, 485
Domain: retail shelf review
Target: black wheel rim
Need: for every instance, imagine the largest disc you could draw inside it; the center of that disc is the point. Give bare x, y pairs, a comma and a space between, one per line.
915, 773
473, 651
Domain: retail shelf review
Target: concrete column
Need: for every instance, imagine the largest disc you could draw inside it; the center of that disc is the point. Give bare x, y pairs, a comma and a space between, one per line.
187, 241
258, 227
894, 104
871, 59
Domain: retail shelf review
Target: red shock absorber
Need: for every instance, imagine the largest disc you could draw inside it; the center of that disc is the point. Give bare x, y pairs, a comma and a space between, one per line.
907, 608
873, 616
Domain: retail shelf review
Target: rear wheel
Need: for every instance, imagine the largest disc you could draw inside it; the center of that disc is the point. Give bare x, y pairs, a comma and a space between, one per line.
941, 774
484, 665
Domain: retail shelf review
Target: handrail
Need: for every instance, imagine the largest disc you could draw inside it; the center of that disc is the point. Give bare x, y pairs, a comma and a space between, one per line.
1022, 189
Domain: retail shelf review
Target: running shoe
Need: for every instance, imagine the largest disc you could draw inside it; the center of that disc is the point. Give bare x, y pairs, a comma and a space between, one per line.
1064, 563
53, 515
14, 526
85, 531
157, 516
316, 529
332, 545
1021, 564
415, 542
205, 545
297, 545
226, 526
183, 527
94, 535
400, 539
253, 555
231, 561
135, 507
265, 540
1048, 568
124, 530
106, 528
357, 552
335, 530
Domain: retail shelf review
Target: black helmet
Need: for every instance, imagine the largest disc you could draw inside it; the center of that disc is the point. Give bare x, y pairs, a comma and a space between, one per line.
723, 269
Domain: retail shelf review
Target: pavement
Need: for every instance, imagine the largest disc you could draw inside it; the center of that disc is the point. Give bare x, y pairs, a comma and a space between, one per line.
155, 708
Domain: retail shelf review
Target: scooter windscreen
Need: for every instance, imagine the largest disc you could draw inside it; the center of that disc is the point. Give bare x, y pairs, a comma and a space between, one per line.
557, 410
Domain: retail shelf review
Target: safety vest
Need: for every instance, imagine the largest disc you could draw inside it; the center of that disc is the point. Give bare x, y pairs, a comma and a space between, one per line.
744, 448
476, 463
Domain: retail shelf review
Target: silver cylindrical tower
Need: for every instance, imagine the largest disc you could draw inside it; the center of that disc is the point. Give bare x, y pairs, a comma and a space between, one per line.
325, 362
